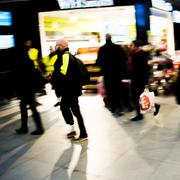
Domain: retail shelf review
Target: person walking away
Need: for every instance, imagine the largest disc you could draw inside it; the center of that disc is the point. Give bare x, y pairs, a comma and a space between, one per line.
112, 61
25, 85
67, 83
140, 77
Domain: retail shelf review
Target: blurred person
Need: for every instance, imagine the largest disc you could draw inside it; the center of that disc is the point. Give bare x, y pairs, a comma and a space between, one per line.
26, 86
140, 77
176, 86
49, 61
66, 82
39, 67
112, 61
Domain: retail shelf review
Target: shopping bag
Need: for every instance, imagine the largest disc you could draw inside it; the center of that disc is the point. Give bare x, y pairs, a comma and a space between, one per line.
147, 101
100, 87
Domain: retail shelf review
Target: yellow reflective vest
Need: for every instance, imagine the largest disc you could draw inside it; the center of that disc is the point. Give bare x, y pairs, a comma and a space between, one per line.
49, 61
33, 55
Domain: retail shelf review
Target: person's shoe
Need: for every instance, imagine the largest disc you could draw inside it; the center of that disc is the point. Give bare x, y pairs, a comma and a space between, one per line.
157, 106
22, 131
80, 139
71, 134
57, 104
37, 132
137, 118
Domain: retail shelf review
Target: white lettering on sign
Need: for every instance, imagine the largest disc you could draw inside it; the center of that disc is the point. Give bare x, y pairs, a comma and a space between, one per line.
161, 4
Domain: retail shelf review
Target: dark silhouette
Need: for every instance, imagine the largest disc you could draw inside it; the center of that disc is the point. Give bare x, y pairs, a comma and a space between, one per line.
112, 60
65, 80
26, 85
140, 74
176, 87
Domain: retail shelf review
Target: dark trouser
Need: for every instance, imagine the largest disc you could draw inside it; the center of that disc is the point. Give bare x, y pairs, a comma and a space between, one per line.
114, 91
30, 100
136, 91
69, 105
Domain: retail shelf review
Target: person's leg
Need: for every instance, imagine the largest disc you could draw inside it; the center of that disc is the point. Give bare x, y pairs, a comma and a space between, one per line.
65, 110
58, 97
117, 97
136, 92
76, 111
24, 117
36, 116
67, 115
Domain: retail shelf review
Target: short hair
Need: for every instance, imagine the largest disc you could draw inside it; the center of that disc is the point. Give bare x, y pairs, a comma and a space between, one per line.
137, 43
108, 36
62, 42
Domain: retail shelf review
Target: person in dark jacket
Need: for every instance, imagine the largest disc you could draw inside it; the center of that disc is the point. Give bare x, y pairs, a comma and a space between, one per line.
112, 61
26, 87
140, 77
65, 80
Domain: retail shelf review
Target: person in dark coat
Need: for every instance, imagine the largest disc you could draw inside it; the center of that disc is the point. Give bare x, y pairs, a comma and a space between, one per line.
26, 87
112, 61
140, 77
65, 80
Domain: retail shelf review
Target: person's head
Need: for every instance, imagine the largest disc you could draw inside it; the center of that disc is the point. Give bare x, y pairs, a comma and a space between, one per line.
137, 43
108, 37
61, 44
28, 43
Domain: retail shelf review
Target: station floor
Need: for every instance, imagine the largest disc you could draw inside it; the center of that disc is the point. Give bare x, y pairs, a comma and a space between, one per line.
117, 149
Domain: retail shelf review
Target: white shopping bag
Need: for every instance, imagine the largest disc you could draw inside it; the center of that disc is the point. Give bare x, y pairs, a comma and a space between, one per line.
147, 101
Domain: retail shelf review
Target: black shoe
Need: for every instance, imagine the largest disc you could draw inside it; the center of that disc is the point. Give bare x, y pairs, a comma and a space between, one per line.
137, 118
57, 104
157, 106
71, 134
37, 132
22, 131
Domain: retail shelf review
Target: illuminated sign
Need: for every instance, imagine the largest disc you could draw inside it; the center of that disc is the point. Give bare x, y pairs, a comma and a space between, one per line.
162, 4
5, 18
176, 16
142, 15
6, 41
70, 4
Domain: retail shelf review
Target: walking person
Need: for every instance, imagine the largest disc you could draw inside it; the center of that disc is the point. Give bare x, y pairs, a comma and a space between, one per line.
26, 87
140, 77
112, 61
69, 88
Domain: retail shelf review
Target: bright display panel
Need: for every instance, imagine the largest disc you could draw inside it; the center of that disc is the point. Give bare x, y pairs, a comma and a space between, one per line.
161, 32
6, 41
85, 29
70, 4
5, 18
176, 16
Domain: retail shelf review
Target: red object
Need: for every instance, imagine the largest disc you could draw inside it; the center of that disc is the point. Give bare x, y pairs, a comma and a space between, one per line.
144, 103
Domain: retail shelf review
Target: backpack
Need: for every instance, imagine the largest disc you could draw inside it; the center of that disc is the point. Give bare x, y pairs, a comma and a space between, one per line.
83, 74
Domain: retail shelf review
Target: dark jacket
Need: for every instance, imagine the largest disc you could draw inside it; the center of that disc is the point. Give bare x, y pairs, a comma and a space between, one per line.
24, 72
112, 60
140, 67
66, 84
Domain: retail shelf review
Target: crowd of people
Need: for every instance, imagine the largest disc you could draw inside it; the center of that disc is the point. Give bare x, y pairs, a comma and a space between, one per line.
116, 66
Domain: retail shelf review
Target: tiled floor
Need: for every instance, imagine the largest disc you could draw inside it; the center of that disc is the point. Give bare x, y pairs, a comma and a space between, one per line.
117, 149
